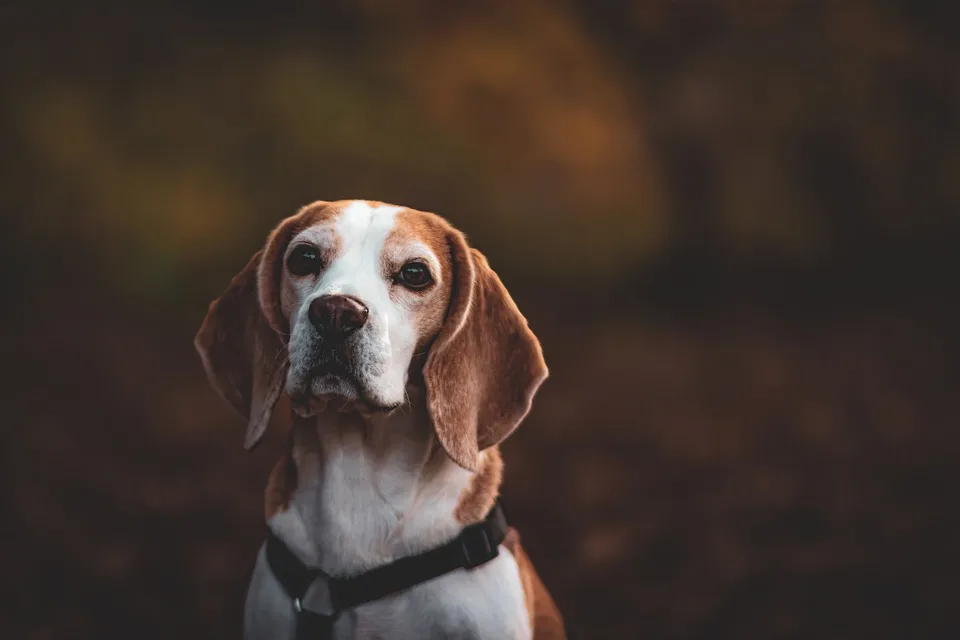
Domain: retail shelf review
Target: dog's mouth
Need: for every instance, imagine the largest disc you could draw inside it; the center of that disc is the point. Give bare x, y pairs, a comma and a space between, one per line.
312, 404
333, 368
332, 385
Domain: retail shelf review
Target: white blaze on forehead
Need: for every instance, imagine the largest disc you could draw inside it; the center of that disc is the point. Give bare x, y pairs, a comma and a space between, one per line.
362, 230
361, 222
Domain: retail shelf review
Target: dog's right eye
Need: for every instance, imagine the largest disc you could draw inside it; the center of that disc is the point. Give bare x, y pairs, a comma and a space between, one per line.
304, 260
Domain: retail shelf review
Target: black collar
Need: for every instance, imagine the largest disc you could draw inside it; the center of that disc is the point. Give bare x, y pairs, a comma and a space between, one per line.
318, 599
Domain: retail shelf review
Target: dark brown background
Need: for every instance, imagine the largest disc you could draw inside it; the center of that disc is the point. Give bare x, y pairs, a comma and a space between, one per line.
733, 224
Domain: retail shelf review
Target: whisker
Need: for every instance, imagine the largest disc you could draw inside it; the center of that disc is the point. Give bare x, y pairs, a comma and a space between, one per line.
281, 352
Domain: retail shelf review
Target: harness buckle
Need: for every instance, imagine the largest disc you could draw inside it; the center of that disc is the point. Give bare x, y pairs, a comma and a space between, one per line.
318, 599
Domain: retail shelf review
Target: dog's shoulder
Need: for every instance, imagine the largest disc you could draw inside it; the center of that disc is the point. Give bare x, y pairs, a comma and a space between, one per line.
545, 618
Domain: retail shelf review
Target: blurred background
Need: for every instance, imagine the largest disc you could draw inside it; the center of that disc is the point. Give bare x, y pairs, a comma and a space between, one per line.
733, 224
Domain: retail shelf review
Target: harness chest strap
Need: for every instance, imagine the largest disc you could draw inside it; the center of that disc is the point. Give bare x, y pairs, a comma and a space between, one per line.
318, 598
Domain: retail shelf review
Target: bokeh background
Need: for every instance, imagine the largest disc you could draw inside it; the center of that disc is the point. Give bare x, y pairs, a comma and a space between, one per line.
734, 225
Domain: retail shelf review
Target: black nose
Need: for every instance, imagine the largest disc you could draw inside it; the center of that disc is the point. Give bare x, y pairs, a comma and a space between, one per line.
337, 316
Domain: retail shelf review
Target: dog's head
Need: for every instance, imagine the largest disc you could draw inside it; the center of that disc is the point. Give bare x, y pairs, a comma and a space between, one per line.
350, 302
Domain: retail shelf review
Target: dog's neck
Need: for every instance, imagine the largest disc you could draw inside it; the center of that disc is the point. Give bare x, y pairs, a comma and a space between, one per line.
366, 489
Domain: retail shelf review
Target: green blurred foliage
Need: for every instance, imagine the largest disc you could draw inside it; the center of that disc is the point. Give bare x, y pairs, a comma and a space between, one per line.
571, 140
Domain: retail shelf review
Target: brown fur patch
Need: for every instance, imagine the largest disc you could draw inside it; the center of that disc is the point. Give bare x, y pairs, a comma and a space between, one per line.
485, 365
281, 484
243, 356
545, 619
418, 226
271, 269
478, 497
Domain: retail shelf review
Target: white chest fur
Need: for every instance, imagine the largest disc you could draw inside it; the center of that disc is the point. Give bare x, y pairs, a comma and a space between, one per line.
369, 493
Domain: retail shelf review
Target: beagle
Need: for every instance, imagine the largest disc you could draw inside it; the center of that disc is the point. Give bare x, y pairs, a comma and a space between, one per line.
406, 363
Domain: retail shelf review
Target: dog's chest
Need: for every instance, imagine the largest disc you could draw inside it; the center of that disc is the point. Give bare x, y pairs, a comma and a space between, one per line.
354, 511
358, 507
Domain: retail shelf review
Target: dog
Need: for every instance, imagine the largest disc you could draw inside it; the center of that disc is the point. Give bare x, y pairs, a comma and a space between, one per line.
406, 363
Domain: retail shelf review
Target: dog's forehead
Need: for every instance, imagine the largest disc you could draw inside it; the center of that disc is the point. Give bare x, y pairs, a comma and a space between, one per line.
374, 227
365, 223
346, 222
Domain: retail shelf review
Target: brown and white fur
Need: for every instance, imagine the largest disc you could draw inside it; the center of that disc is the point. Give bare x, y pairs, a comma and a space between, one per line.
393, 447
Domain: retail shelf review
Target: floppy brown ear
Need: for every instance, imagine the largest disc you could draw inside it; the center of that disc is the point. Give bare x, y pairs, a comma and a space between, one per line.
485, 366
245, 359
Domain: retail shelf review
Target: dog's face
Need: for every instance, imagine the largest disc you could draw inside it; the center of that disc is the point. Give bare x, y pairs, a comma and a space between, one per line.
349, 300
363, 287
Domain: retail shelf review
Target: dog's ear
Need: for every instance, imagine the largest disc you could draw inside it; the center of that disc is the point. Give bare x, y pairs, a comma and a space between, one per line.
485, 365
241, 339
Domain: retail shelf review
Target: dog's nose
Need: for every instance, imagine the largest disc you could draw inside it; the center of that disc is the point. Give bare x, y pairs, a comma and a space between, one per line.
337, 316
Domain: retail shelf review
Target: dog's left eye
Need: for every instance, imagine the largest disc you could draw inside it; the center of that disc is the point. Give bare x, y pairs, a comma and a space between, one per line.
303, 260
415, 275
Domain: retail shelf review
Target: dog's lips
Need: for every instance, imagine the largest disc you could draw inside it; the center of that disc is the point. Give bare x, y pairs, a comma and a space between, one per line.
330, 386
312, 404
336, 376
333, 369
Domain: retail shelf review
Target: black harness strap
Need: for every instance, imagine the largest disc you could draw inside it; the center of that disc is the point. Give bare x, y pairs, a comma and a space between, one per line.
477, 543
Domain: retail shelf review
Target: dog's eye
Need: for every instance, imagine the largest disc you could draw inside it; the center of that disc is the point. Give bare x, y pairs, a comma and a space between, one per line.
415, 275
304, 260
